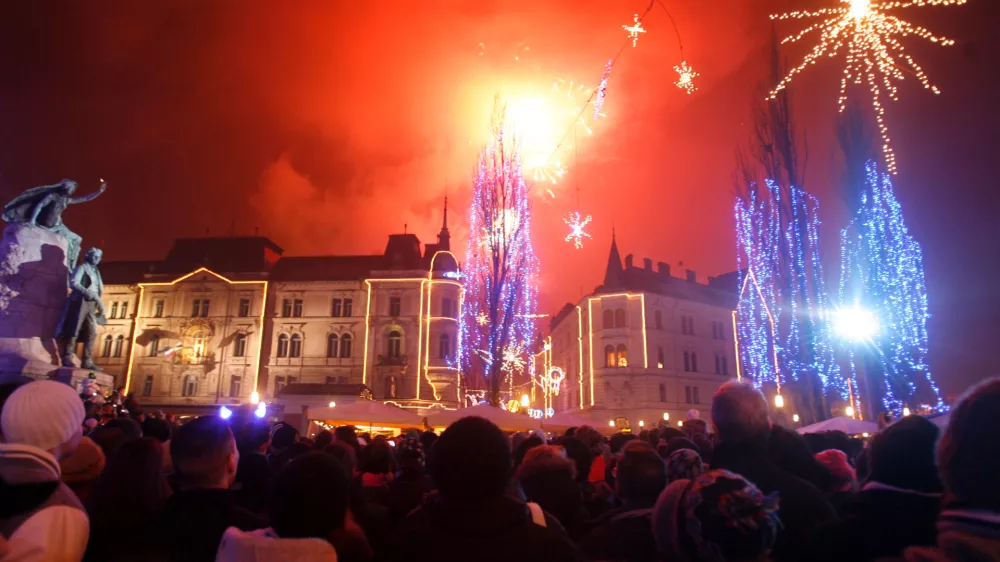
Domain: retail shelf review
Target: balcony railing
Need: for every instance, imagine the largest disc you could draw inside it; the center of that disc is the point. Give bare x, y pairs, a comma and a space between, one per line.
391, 360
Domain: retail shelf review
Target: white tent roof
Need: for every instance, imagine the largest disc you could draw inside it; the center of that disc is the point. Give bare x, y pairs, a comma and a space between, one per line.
565, 420
849, 426
365, 413
502, 418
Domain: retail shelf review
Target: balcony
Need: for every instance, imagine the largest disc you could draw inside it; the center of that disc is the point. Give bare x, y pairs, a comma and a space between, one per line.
397, 360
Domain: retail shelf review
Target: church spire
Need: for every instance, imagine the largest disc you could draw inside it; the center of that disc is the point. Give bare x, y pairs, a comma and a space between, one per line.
613, 273
444, 237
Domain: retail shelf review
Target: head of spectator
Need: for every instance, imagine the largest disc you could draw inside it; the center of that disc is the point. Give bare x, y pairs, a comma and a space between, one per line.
719, 516
344, 455
109, 439
844, 477
789, 451
678, 443
130, 427
969, 451
377, 458
410, 456
46, 415
579, 453
81, 469
705, 447
156, 428
739, 414
618, 441
570, 432
523, 446
427, 440
591, 438
694, 426
132, 487
641, 476
204, 454
471, 461
684, 464
548, 478
283, 436
323, 438
902, 456
668, 433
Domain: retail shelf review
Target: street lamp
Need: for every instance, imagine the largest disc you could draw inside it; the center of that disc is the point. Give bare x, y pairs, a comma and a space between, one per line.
611, 423
795, 418
779, 401
333, 404
666, 416
849, 411
855, 323
642, 423
906, 411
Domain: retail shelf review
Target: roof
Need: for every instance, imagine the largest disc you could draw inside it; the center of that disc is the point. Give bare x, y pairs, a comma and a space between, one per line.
125, 272
326, 268
225, 255
637, 279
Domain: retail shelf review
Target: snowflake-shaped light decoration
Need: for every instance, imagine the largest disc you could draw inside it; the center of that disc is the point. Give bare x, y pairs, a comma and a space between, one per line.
513, 359
481, 319
868, 36
576, 225
685, 78
635, 29
602, 90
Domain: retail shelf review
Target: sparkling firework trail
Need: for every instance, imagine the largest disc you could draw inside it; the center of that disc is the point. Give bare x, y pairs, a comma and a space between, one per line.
685, 78
602, 90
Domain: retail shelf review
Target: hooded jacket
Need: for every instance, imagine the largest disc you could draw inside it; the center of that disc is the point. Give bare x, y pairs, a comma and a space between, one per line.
265, 546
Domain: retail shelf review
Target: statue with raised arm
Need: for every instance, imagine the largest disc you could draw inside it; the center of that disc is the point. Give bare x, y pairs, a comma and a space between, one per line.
43, 206
83, 312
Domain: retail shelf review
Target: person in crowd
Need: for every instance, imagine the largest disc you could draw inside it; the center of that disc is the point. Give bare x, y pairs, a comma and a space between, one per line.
191, 524
407, 490
40, 516
109, 439
522, 447
594, 502
718, 517
376, 467
308, 505
284, 446
626, 533
548, 479
130, 492
427, 440
351, 542
82, 469
739, 415
618, 441
667, 433
790, 451
676, 444
254, 476
898, 505
323, 438
156, 428
684, 464
693, 427
705, 447
349, 435
845, 482
471, 518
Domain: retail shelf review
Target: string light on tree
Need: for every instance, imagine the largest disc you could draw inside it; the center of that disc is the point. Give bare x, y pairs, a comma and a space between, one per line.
869, 38
482, 319
576, 228
685, 78
635, 29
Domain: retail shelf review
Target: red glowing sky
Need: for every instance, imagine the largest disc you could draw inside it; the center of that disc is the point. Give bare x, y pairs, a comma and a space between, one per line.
328, 125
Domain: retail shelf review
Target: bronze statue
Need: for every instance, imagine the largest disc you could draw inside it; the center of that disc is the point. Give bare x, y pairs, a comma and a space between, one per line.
43, 206
83, 312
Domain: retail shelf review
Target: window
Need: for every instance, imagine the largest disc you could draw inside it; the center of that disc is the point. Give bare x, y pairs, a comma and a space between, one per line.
198, 344
297, 308
331, 380
609, 356
687, 361
694, 392
147, 385
395, 306
283, 345
204, 308
286, 308
279, 383
119, 342
154, 346
332, 345
691, 325
447, 308
620, 318
691, 395
659, 357
663, 392
244, 308
444, 346
190, 386
123, 311
622, 355
341, 380
158, 308
195, 308
345, 345
694, 362
295, 349
395, 344
114, 310
337, 309
235, 386
687, 394
106, 349
718, 365
609, 319
240, 345
725, 365
659, 320
348, 307
292, 380
687, 325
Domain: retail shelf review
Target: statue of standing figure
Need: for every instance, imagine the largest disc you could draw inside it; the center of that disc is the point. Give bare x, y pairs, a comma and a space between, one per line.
83, 312
43, 206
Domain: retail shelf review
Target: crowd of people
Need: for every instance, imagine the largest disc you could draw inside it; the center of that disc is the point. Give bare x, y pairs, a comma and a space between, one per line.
140, 487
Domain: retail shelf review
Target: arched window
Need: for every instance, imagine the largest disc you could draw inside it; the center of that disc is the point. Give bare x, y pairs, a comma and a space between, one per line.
332, 345
609, 319
119, 342
622, 355
444, 346
124, 310
659, 357
114, 310
687, 361
283, 345
609, 356
154, 345
620, 318
345, 345
295, 349
694, 362
240, 345
190, 386
106, 350
198, 344
395, 344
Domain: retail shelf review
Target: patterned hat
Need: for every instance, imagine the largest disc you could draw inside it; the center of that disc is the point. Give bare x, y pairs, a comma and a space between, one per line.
684, 463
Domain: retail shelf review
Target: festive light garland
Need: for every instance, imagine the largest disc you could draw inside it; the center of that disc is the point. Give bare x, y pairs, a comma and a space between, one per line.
576, 225
869, 38
882, 271
685, 78
635, 29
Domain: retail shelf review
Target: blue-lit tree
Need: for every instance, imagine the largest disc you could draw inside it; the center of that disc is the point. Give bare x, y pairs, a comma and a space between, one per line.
501, 272
882, 271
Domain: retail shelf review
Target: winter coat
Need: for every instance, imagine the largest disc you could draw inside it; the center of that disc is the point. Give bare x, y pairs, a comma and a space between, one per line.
265, 546
964, 535
192, 523
626, 536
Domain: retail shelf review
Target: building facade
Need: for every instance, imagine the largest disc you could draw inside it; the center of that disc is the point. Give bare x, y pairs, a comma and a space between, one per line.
232, 321
645, 346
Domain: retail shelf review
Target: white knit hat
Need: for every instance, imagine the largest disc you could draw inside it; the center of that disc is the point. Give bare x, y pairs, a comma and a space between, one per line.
43, 414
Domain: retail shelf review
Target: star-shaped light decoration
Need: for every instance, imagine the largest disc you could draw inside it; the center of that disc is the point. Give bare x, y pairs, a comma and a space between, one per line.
685, 78
513, 359
576, 225
635, 29
482, 320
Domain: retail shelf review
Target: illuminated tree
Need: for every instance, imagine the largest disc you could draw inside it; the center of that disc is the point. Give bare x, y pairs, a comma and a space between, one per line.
501, 272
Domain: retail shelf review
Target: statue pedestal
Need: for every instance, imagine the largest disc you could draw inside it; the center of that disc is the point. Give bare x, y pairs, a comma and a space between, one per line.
33, 290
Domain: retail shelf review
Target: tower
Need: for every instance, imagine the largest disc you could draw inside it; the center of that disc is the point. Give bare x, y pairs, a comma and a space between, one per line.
444, 237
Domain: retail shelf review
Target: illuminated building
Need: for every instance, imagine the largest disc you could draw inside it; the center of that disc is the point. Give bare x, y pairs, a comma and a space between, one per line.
220, 318
643, 344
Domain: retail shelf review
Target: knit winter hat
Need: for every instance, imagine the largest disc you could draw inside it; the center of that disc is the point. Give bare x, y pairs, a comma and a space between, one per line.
42, 414
85, 464
836, 462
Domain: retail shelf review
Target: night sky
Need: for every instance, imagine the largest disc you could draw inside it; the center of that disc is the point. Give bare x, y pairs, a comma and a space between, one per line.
328, 125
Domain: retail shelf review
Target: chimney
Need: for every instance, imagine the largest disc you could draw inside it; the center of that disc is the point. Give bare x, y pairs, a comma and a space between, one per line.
647, 264
628, 261
663, 268
692, 276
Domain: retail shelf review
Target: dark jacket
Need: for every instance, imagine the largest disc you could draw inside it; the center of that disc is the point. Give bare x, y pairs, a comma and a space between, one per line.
191, 525
627, 536
802, 507
498, 530
879, 524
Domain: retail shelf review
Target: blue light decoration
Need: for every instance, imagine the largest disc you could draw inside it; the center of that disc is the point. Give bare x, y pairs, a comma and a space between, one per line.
261, 410
501, 272
225, 413
781, 328
882, 270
